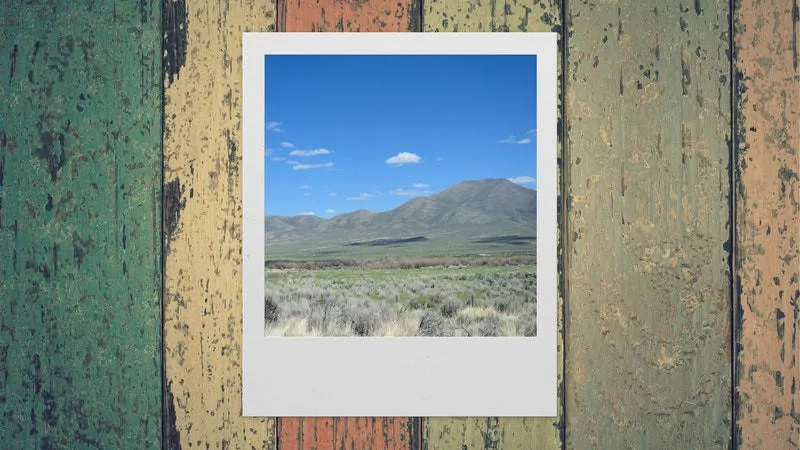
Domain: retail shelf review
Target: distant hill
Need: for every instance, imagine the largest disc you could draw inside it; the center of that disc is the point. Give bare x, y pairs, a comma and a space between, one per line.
477, 216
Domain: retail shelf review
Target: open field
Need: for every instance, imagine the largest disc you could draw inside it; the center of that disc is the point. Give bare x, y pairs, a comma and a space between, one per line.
467, 297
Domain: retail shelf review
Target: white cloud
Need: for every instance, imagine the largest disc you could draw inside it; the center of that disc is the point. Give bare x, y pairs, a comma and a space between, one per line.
278, 158
361, 196
274, 126
315, 152
292, 163
409, 192
420, 185
333, 194
309, 213
439, 159
513, 140
330, 211
306, 193
403, 158
523, 179
287, 145
305, 186
532, 131
298, 166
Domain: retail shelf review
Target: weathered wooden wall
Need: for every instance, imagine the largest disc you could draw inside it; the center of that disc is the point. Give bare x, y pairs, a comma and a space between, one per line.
648, 125
203, 223
667, 263
348, 432
768, 224
490, 432
80, 212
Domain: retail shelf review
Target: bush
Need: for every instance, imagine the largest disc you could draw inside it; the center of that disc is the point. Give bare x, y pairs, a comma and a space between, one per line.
451, 306
431, 324
272, 312
489, 326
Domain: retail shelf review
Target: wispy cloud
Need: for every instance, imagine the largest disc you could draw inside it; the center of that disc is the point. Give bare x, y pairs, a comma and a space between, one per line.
522, 179
274, 126
532, 131
420, 185
308, 213
361, 196
298, 166
305, 186
292, 163
513, 140
278, 158
333, 194
315, 152
330, 211
409, 192
287, 144
403, 158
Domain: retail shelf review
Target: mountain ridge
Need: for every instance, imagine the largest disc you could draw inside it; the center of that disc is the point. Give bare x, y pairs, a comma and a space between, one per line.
469, 211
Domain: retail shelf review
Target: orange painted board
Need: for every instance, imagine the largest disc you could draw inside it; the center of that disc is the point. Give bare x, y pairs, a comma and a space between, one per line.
346, 16
767, 246
378, 433
349, 15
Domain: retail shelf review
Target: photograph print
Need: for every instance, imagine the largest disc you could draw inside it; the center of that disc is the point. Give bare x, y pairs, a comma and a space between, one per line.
400, 195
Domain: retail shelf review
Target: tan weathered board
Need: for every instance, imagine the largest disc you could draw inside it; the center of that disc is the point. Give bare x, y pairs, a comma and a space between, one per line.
492, 432
648, 120
341, 432
203, 223
768, 222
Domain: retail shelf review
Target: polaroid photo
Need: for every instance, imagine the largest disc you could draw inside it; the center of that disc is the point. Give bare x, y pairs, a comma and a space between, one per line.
400, 229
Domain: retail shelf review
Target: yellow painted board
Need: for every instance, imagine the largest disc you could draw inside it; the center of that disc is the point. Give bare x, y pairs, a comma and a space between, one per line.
203, 223
492, 432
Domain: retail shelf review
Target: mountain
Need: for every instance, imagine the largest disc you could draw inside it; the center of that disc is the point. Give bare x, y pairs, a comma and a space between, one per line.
475, 213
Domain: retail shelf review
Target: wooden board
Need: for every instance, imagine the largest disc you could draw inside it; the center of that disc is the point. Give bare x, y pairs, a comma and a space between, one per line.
492, 432
648, 357
768, 229
80, 271
343, 432
203, 223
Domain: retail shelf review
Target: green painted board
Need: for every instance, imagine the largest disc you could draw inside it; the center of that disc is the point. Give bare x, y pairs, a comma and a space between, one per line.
80, 224
647, 119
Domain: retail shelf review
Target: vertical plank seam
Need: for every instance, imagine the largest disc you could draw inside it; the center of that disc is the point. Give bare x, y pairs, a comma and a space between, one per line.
733, 225
420, 15
165, 420
418, 442
564, 216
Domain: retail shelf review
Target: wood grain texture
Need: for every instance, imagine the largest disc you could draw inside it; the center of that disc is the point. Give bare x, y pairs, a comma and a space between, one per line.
80, 270
768, 229
203, 223
358, 433
491, 432
347, 16
648, 357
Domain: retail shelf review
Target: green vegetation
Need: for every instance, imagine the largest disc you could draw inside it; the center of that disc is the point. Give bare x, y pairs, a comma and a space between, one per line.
439, 300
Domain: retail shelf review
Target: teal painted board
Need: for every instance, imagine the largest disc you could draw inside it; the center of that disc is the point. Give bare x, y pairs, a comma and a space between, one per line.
80, 224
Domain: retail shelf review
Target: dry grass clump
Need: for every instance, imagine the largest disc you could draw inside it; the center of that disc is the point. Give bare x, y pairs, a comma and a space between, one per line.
419, 302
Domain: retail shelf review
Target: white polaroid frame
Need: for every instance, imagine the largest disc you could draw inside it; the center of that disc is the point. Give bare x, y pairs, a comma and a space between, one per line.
380, 376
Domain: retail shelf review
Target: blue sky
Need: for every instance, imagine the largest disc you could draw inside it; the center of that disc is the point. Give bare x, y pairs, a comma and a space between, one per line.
372, 132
